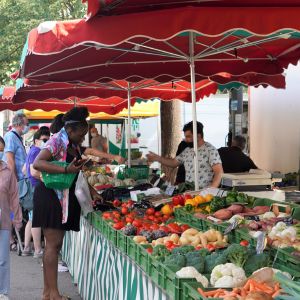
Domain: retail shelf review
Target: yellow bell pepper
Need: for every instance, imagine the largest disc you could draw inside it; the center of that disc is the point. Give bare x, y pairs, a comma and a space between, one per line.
199, 199
167, 210
208, 197
191, 202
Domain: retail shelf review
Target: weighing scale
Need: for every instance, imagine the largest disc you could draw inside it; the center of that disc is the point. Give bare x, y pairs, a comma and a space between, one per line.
254, 180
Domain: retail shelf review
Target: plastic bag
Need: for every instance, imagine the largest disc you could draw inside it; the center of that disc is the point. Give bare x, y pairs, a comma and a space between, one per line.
83, 194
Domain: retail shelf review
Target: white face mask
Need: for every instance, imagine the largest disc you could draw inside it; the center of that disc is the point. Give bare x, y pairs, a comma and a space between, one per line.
25, 129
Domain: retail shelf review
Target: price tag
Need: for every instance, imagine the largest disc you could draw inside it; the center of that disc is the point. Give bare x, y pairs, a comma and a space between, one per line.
232, 226
170, 190
261, 243
288, 220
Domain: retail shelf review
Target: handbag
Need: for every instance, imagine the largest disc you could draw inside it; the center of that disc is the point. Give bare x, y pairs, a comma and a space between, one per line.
26, 193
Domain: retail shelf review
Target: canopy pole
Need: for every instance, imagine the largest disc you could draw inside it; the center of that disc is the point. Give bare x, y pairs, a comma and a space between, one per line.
194, 108
129, 125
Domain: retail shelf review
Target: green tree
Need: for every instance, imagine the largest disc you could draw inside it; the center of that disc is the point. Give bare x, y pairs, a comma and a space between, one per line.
18, 17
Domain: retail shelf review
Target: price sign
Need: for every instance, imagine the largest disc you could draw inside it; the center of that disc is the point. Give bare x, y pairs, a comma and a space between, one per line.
232, 226
261, 243
170, 190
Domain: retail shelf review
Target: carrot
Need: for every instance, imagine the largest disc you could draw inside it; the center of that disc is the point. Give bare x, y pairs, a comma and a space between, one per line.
278, 292
247, 285
201, 292
243, 292
212, 293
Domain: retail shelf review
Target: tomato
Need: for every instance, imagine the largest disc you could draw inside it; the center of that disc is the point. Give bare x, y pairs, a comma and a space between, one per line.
129, 219
151, 218
184, 227
124, 210
130, 203
164, 228
146, 226
210, 247
169, 244
150, 211
124, 204
116, 220
198, 247
154, 227
106, 215
137, 223
244, 243
118, 225
166, 217
174, 228
157, 214
149, 250
116, 214
117, 203
156, 220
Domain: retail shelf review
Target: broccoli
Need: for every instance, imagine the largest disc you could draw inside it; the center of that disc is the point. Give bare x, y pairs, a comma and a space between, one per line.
203, 252
217, 203
196, 260
237, 254
175, 262
183, 250
256, 262
213, 260
160, 252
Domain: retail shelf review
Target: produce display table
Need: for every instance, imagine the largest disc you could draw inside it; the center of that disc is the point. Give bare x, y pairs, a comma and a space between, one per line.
101, 271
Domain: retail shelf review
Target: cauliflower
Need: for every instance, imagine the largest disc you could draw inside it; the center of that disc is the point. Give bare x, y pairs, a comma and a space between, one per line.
191, 272
268, 215
227, 275
281, 230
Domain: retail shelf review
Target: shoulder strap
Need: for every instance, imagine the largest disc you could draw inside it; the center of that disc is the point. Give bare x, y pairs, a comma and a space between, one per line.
20, 139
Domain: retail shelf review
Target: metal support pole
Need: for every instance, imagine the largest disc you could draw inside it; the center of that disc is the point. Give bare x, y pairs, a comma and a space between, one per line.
194, 108
129, 125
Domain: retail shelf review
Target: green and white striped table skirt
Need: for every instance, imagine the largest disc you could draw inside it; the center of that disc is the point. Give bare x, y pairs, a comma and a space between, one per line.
102, 272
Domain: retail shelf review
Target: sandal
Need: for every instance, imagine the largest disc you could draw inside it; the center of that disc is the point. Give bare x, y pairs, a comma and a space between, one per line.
13, 246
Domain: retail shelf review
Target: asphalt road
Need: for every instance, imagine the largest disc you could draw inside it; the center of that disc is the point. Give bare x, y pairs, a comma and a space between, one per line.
27, 280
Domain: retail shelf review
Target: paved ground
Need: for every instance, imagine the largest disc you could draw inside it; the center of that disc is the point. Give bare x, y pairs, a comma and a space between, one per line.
27, 280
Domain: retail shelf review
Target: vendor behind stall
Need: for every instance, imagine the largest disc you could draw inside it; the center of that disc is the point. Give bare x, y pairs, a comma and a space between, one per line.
210, 167
234, 160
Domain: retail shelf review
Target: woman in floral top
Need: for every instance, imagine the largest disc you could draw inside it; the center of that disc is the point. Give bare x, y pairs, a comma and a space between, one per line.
57, 211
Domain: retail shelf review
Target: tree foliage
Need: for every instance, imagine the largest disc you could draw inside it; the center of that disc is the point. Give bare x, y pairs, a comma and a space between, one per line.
18, 17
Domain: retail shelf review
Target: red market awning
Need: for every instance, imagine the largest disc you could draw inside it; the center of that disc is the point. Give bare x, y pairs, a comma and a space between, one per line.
117, 7
235, 40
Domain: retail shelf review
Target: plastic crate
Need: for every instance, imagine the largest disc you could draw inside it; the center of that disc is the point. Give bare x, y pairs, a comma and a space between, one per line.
122, 241
109, 232
131, 248
285, 261
189, 292
143, 257
135, 172
153, 269
97, 221
169, 282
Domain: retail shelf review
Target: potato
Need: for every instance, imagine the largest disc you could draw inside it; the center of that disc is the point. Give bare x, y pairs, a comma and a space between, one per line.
236, 208
190, 231
174, 238
223, 214
196, 241
184, 241
139, 239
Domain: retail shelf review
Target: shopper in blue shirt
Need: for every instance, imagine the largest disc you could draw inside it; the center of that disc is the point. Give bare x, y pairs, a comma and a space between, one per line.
14, 152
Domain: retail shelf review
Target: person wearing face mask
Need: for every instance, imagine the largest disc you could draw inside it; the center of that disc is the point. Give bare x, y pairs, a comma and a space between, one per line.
40, 139
209, 162
9, 202
98, 142
14, 152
